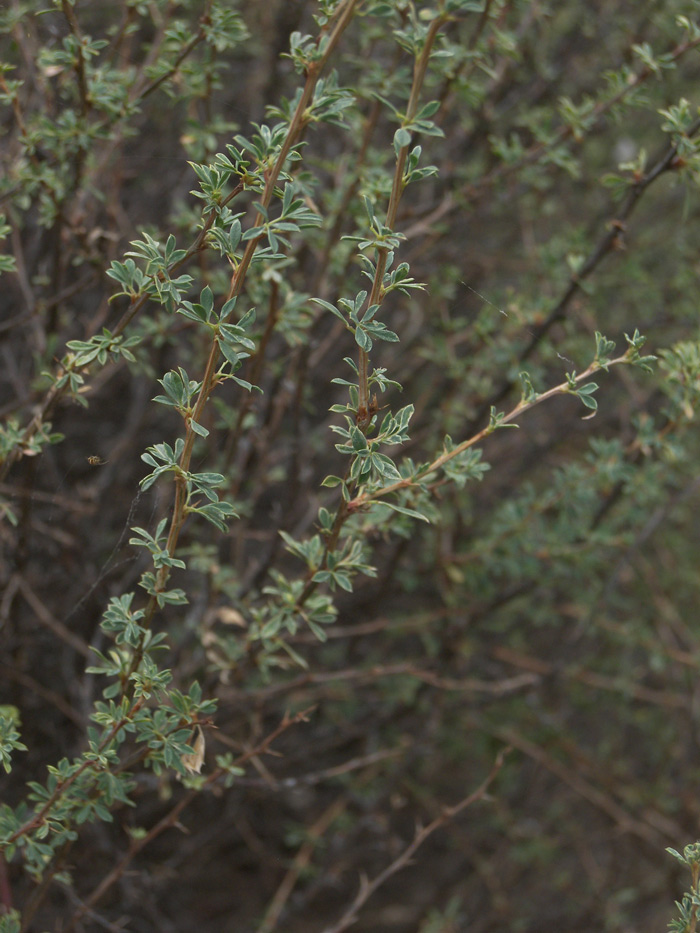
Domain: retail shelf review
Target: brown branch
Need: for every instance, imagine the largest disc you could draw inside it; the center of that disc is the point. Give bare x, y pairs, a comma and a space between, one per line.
593, 679
564, 388
210, 378
55, 699
39, 817
300, 863
72, 20
407, 669
171, 818
368, 888
54, 395
564, 134
5, 887
364, 416
606, 803
567, 132
50, 621
354, 764
155, 84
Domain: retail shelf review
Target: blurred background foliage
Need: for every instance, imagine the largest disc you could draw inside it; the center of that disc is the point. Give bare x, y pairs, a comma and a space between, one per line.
551, 603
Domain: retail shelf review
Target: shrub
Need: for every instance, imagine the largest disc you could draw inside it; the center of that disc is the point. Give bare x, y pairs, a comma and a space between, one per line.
281, 281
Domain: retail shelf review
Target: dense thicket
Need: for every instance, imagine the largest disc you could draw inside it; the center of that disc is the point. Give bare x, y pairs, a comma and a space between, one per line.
305, 630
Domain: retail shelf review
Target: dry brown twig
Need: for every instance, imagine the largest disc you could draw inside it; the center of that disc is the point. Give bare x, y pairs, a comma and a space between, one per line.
368, 888
302, 859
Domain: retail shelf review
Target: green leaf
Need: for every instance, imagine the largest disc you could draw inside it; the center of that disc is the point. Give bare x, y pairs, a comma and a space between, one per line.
405, 511
198, 429
402, 138
358, 440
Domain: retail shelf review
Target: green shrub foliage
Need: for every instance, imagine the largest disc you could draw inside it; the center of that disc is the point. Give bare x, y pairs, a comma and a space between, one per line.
348, 518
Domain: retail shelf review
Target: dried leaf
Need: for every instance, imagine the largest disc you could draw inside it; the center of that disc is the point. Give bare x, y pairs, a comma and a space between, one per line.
230, 616
194, 761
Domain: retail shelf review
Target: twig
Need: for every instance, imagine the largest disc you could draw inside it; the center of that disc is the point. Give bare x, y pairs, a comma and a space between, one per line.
55, 699
238, 280
563, 388
364, 416
318, 777
50, 621
584, 788
5, 888
592, 679
79, 66
368, 888
564, 134
301, 860
171, 818
40, 816
406, 669
606, 244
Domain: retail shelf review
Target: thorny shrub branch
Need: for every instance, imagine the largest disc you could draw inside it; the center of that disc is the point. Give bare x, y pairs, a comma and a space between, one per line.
368, 888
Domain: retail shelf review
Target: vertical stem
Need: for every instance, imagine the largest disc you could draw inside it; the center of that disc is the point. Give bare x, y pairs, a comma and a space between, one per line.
5, 889
296, 126
71, 18
419, 70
